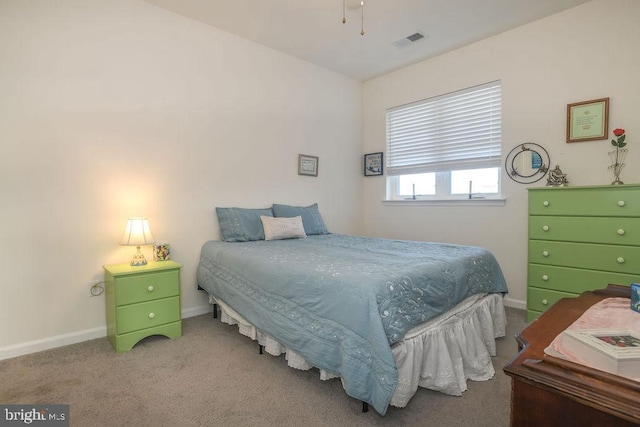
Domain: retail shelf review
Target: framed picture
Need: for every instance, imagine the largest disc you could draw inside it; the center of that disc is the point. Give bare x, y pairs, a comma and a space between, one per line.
307, 165
162, 251
588, 120
373, 164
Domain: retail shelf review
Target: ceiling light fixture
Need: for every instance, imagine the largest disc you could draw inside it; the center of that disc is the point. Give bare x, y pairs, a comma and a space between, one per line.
344, 11
344, 14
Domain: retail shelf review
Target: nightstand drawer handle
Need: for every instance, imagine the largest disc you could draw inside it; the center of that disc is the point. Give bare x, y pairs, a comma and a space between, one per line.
545, 228
545, 277
150, 288
621, 203
545, 253
152, 315
545, 302
620, 260
545, 203
620, 231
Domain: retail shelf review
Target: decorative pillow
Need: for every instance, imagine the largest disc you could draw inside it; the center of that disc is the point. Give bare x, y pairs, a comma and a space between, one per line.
241, 225
282, 228
311, 218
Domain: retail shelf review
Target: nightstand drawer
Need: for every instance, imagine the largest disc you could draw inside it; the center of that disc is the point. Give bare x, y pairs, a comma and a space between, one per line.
594, 201
147, 314
574, 280
618, 259
614, 230
147, 287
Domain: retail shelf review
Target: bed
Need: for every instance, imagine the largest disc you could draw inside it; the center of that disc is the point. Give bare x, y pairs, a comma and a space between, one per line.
386, 316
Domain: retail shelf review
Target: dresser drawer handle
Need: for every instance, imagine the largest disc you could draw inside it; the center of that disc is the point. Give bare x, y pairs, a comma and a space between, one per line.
545, 228
620, 260
152, 315
545, 253
621, 203
545, 277
545, 302
620, 231
150, 288
545, 203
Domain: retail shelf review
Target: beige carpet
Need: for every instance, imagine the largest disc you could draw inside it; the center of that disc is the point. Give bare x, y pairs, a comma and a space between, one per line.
212, 376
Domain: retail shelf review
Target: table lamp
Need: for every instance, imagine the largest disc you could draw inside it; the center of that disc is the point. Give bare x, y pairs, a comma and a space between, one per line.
137, 233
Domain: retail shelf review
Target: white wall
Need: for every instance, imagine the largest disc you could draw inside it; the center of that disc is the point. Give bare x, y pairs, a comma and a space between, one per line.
116, 108
584, 53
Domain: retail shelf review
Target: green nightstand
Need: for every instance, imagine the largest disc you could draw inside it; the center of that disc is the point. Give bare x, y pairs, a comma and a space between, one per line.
142, 301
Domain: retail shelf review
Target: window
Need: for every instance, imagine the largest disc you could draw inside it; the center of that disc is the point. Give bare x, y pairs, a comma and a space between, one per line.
449, 146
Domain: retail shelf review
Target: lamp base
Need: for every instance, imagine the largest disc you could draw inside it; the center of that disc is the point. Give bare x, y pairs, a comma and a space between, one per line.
138, 259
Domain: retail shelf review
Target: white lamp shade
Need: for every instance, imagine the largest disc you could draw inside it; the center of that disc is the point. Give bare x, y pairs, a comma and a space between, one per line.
137, 233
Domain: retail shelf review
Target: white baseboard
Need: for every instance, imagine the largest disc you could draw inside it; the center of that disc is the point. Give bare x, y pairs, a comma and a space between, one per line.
75, 337
515, 303
196, 311
100, 332
51, 342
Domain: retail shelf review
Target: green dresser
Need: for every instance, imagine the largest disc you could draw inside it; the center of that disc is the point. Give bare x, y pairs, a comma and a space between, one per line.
142, 301
581, 239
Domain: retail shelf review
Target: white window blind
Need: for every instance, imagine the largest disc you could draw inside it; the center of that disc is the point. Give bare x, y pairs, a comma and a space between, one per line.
456, 131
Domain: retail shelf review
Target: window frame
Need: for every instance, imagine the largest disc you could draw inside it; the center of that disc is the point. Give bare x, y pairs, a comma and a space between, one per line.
442, 189
489, 102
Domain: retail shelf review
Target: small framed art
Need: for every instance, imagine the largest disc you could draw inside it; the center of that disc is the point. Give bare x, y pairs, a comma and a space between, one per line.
373, 164
307, 165
588, 120
162, 251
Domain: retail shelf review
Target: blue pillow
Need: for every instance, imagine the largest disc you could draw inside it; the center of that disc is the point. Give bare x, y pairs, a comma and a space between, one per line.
241, 225
311, 218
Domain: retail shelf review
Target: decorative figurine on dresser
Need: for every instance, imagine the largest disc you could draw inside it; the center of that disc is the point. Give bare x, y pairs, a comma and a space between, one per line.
581, 239
557, 178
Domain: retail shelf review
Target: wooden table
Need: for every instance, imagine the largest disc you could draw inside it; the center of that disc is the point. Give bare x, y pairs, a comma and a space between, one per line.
548, 391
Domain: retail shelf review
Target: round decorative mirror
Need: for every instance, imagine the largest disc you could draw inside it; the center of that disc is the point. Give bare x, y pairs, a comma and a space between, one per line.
527, 163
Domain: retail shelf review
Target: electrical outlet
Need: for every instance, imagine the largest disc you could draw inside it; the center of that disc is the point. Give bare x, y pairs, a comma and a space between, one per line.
96, 288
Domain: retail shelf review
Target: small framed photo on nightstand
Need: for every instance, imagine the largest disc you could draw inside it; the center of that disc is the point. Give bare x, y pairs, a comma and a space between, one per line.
162, 251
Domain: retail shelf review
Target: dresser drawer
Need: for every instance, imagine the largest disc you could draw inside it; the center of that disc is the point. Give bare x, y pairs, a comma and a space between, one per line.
542, 299
618, 259
593, 201
147, 314
574, 280
613, 230
147, 287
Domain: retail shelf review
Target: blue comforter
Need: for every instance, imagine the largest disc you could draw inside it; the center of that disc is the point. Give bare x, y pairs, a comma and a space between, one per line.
341, 301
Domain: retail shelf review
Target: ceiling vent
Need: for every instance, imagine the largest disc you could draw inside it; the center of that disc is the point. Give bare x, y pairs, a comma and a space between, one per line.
410, 39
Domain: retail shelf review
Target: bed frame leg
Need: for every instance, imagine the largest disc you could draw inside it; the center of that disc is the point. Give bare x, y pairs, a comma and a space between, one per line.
215, 306
261, 348
365, 407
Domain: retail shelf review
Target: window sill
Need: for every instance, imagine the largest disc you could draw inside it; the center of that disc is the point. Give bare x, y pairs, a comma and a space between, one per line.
446, 202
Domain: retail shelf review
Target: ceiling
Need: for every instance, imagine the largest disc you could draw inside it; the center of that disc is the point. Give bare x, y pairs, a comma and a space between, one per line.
312, 30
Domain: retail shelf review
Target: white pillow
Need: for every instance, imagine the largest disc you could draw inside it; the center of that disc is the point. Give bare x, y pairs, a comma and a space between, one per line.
282, 228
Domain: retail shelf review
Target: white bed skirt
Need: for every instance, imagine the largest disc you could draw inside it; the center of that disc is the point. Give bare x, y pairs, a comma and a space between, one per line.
441, 354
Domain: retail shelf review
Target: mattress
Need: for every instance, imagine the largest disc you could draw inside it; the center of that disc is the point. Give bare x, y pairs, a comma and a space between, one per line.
342, 302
